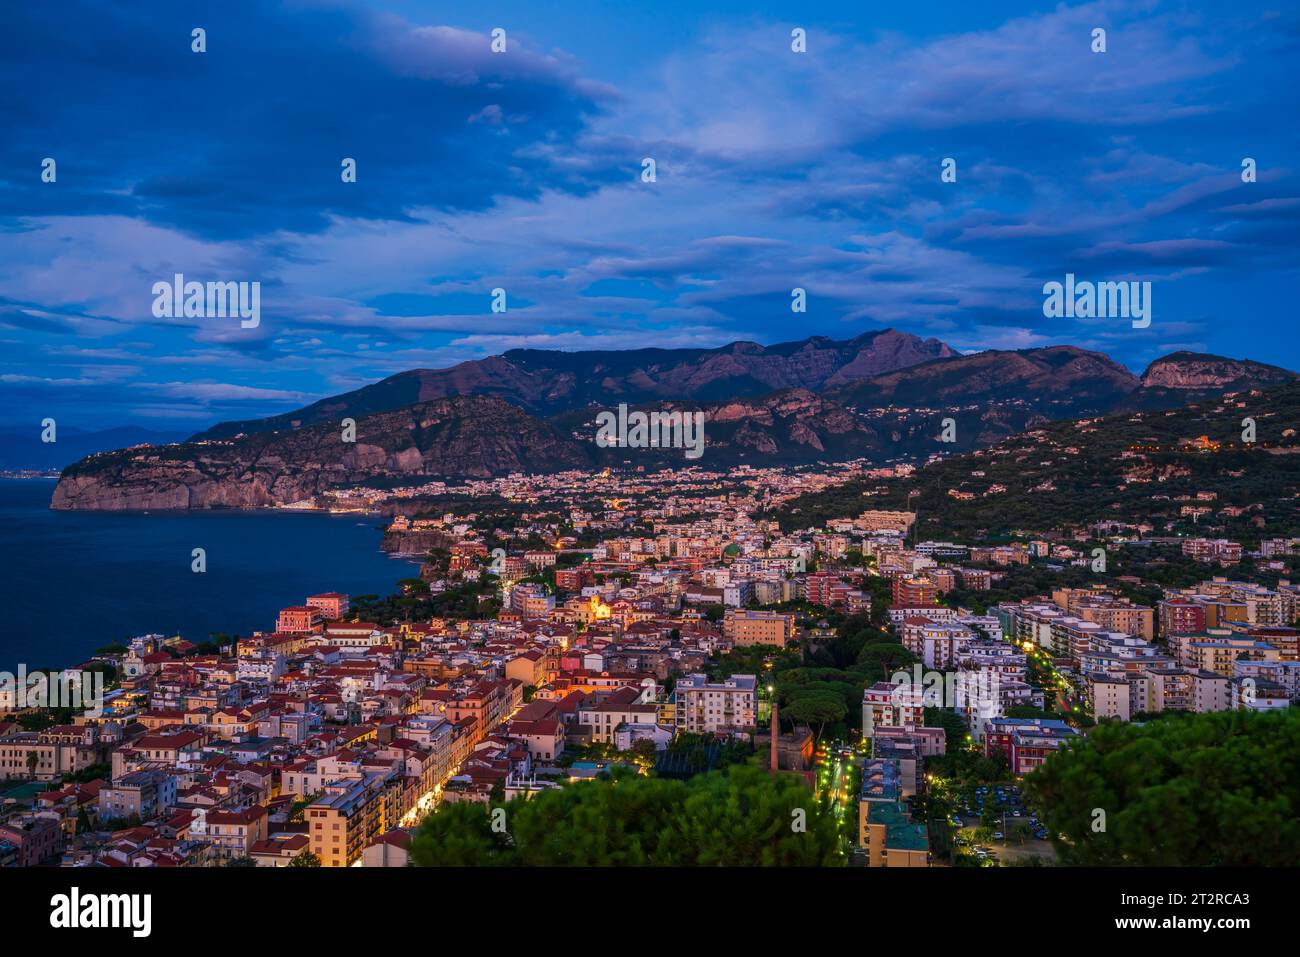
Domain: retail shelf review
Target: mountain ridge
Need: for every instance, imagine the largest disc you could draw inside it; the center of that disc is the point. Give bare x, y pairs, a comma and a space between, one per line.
898, 414
1061, 380
1195, 370
1130, 467
549, 382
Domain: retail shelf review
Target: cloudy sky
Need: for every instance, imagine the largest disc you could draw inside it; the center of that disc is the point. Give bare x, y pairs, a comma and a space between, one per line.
522, 170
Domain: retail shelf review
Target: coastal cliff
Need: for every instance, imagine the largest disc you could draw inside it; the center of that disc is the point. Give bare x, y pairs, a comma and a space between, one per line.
414, 542
461, 437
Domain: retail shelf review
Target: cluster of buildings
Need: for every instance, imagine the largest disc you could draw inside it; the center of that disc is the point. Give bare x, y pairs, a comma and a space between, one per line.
1026, 743
886, 832
677, 492
332, 737
900, 745
1219, 550
1222, 645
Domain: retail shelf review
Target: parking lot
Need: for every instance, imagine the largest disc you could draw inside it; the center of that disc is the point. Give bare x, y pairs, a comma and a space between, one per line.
995, 826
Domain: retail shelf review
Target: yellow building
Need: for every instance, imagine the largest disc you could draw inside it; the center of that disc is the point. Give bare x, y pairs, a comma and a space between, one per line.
341, 823
745, 627
528, 668
588, 610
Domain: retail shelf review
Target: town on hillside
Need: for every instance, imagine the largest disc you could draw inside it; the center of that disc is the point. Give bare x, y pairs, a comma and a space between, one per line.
918, 699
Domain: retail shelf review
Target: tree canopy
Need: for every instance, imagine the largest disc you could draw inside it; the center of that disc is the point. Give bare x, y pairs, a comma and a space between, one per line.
737, 817
1219, 789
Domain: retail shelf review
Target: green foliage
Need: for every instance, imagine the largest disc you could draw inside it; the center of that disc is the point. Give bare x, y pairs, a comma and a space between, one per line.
42, 719
881, 659
305, 859
968, 767
861, 652
738, 817
1205, 790
962, 765
120, 823
955, 732
297, 808
816, 709
690, 754
469, 601
751, 660
1084, 483
89, 773
841, 650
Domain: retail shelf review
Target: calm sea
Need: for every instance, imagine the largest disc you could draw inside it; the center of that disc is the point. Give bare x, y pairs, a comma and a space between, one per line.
71, 582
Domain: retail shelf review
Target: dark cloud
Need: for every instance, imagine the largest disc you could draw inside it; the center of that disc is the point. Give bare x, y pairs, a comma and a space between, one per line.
478, 170
247, 138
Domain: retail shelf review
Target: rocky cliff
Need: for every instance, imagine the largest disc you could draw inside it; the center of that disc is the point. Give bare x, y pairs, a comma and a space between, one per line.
462, 437
414, 542
1194, 370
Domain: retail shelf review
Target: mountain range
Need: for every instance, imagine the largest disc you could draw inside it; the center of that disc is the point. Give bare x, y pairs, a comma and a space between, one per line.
881, 395
547, 382
1185, 470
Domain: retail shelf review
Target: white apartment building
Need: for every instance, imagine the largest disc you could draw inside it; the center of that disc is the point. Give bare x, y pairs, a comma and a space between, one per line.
705, 707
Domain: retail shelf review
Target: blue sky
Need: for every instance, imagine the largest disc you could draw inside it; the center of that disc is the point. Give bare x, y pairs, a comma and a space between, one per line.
521, 170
